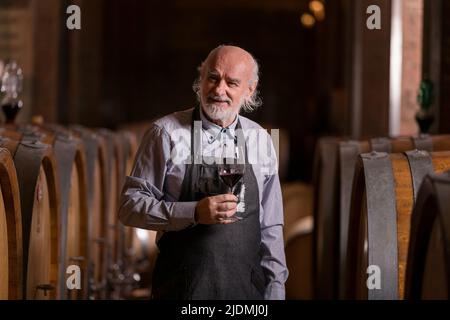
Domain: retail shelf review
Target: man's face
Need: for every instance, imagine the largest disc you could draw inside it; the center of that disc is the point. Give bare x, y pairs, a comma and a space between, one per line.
226, 82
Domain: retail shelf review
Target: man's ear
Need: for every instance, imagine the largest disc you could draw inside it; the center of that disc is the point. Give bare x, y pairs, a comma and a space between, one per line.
252, 88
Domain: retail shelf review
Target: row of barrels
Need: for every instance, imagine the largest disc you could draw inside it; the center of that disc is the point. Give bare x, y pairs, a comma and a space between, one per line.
59, 232
365, 193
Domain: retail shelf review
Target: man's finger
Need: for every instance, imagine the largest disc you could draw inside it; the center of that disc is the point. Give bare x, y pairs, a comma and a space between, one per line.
226, 221
225, 198
225, 214
226, 206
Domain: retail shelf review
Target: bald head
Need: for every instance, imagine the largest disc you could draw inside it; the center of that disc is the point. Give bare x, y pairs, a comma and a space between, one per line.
236, 56
227, 83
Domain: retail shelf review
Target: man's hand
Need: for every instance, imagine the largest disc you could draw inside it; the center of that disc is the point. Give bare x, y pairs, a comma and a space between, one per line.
216, 209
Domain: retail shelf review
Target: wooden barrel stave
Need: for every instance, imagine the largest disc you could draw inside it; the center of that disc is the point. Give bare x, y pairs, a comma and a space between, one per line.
11, 262
72, 169
97, 173
4, 251
40, 241
129, 142
114, 165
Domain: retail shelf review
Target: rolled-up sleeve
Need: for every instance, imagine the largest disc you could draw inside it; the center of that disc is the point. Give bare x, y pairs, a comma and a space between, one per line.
142, 201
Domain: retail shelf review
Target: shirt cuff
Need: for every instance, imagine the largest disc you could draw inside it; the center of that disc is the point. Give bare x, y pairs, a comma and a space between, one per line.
275, 291
183, 214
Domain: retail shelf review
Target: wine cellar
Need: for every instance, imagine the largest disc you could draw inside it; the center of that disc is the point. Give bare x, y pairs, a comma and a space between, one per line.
356, 94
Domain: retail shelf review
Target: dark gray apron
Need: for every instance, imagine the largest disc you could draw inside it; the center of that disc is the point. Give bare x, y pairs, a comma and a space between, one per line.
212, 261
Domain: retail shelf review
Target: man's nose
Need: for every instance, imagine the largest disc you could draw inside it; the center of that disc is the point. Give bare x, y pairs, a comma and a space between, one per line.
220, 88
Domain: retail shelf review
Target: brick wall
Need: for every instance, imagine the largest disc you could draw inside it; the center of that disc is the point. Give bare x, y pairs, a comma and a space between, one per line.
412, 15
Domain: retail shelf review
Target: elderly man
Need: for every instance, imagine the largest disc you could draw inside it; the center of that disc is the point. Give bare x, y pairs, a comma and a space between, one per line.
206, 251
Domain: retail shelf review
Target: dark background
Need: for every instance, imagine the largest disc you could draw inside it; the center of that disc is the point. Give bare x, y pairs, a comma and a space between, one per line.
136, 60
141, 59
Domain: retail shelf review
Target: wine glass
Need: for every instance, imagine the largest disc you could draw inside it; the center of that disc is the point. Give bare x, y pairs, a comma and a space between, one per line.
11, 86
231, 171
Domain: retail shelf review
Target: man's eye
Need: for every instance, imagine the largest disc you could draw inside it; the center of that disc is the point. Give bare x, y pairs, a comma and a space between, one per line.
213, 79
232, 84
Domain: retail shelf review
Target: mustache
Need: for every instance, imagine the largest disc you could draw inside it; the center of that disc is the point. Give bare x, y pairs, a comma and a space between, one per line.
219, 98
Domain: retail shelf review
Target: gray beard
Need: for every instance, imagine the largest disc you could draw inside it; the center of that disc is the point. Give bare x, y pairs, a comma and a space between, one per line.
215, 113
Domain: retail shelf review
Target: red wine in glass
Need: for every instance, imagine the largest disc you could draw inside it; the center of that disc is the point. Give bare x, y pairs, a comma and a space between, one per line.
11, 109
231, 179
231, 174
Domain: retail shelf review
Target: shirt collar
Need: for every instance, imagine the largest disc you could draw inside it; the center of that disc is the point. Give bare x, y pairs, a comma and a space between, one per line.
214, 131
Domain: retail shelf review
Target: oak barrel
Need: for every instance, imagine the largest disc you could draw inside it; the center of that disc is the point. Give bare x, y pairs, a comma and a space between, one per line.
297, 203
98, 197
298, 236
11, 265
384, 190
325, 201
348, 154
129, 146
428, 266
73, 217
115, 167
298, 249
333, 178
40, 205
